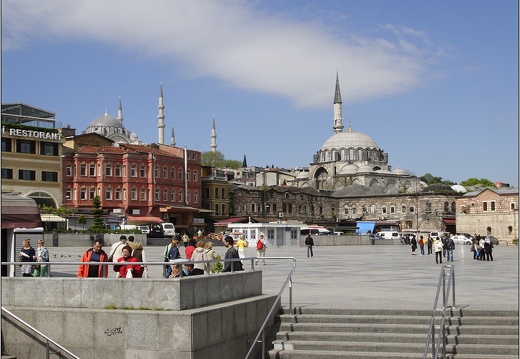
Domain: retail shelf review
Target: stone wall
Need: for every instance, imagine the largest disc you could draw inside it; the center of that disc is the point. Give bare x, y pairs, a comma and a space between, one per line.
189, 318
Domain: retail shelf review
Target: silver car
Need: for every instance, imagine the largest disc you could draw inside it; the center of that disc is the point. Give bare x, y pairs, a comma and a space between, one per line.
461, 239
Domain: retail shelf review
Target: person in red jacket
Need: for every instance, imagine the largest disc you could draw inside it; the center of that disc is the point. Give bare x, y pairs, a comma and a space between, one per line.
94, 254
124, 269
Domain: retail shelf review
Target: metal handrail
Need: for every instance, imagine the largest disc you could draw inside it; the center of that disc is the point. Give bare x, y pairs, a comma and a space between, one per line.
445, 297
46, 338
288, 280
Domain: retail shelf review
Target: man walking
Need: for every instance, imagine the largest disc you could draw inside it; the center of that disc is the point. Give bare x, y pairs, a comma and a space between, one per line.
309, 242
95, 254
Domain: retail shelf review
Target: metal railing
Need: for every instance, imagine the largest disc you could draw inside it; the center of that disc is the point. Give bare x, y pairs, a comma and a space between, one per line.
57, 349
446, 272
261, 332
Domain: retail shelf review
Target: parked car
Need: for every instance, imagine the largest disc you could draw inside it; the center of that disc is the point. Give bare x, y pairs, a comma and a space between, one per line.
156, 230
388, 235
461, 239
339, 233
145, 229
493, 240
169, 229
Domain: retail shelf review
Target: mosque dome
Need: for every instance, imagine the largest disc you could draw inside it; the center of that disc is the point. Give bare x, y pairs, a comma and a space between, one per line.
349, 169
106, 121
365, 168
349, 139
400, 171
459, 188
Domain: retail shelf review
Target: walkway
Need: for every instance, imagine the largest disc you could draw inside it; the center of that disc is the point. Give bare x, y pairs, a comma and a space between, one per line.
381, 276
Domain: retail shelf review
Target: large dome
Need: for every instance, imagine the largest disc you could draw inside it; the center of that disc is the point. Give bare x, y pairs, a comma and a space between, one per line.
106, 121
349, 139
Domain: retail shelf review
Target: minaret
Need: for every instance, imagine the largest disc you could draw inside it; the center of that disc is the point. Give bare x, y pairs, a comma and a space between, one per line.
172, 139
120, 111
160, 116
338, 116
213, 137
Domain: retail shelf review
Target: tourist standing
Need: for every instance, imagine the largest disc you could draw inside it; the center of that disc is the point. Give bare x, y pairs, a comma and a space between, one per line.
450, 247
437, 247
261, 244
97, 255
414, 245
421, 245
199, 254
231, 253
42, 256
429, 244
309, 242
27, 256
128, 270
241, 245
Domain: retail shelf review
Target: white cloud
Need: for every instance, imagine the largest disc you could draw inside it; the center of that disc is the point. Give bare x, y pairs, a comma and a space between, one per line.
232, 41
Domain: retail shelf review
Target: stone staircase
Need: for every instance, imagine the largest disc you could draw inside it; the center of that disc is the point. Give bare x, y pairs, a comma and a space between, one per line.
359, 333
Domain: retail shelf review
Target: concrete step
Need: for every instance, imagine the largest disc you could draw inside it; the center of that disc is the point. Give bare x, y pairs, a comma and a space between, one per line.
326, 346
352, 337
386, 333
354, 327
315, 354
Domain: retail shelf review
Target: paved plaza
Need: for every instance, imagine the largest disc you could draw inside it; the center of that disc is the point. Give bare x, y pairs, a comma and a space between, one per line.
380, 276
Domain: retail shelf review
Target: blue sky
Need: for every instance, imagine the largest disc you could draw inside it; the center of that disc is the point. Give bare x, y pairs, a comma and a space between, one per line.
434, 83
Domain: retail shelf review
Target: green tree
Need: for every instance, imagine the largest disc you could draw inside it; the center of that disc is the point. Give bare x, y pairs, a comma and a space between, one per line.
474, 182
82, 220
429, 179
97, 212
216, 159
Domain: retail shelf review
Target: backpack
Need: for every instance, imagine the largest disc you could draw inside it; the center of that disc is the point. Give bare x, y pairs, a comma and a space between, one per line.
259, 245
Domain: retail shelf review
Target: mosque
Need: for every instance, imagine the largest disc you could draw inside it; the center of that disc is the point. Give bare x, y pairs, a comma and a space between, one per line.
351, 163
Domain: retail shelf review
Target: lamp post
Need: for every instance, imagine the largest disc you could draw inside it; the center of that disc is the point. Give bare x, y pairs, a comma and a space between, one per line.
66, 212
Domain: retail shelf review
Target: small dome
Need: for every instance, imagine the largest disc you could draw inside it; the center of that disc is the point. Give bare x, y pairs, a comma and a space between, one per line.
349, 170
459, 188
400, 171
365, 168
302, 175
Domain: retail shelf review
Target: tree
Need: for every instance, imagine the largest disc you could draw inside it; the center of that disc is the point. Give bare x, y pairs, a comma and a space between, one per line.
97, 212
474, 182
82, 220
216, 159
429, 179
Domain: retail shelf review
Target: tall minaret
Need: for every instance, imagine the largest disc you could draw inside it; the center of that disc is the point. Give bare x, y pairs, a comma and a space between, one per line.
213, 137
338, 116
172, 139
160, 116
120, 111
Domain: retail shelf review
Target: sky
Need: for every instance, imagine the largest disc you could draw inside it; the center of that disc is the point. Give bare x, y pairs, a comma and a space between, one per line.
433, 83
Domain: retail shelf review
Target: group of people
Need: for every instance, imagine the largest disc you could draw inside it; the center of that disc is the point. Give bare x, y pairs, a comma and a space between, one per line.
34, 259
482, 248
199, 251
129, 252
443, 247
125, 251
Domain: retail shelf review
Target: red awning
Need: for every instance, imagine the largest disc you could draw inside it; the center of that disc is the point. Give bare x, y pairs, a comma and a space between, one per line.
231, 220
20, 212
142, 219
449, 221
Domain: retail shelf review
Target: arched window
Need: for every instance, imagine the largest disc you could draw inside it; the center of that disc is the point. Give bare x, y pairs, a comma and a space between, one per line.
428, 207
453, 207
446, 206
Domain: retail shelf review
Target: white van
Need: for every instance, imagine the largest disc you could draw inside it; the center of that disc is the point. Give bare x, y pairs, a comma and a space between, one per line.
169, 229
388, 235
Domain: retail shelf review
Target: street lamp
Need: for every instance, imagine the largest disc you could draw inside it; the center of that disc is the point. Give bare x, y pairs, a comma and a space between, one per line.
66, 212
